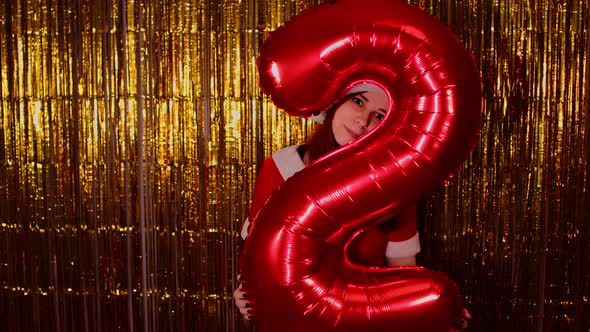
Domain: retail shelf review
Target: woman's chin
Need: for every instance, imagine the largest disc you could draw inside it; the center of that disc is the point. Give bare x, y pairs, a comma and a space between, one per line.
342, 142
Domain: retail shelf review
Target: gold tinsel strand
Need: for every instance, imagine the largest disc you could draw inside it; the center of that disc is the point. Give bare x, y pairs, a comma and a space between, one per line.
132, 132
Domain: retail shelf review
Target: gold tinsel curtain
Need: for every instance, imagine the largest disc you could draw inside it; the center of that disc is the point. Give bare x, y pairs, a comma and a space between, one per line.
132, 130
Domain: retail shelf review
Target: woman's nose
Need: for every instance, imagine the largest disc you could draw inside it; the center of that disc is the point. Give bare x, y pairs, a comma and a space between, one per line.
363, 119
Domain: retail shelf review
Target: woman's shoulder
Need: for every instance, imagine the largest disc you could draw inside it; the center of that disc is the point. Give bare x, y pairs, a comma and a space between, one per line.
288, 161
285, 152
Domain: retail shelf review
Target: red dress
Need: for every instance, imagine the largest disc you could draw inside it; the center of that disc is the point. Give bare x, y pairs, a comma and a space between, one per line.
397, 237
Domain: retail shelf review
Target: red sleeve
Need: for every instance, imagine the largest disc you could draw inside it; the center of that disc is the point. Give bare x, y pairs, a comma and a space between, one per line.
405, 225
267, 180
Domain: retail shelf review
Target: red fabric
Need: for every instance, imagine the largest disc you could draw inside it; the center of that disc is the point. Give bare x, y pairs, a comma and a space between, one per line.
268, 179
369, 247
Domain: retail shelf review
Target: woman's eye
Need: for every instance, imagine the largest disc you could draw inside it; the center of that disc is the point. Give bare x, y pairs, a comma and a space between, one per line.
379, 116
357, 101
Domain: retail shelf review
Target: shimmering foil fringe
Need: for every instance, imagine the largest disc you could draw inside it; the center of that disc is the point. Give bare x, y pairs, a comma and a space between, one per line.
132, 130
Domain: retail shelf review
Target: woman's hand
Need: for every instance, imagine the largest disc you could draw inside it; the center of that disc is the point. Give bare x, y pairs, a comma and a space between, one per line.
241, 300
463, 323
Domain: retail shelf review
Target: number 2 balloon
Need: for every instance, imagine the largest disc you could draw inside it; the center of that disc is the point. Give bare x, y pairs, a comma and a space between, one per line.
295, 265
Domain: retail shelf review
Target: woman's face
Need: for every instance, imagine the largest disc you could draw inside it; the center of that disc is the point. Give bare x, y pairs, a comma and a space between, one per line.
358, 114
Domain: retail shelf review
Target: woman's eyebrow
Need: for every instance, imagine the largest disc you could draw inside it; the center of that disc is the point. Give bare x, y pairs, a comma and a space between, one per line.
367, 99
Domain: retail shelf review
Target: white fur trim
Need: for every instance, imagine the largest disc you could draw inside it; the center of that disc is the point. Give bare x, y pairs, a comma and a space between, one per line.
407, 248
244, 232
318, 118
364, 87
288, 161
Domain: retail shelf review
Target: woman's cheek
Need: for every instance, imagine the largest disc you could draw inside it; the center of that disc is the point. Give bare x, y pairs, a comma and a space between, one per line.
341, 136
372, 124
338, 137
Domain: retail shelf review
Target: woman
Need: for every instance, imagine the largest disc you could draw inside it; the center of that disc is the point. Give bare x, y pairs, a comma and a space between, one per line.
393, 243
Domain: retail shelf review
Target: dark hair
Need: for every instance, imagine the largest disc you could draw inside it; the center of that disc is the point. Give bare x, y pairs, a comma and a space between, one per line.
322, 141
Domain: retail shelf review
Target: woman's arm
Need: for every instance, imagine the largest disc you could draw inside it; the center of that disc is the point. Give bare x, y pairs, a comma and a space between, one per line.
267, 180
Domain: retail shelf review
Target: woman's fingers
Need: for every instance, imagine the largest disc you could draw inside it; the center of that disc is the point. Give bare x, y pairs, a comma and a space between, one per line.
245, 310
238, 293
242, 302
244, 307
463, 323
466, 314
241, 298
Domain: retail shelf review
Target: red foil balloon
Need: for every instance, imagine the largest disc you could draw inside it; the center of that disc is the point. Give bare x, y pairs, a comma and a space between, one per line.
294, 265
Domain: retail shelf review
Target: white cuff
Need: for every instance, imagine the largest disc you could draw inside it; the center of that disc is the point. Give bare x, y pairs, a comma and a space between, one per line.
407, 248
244, 232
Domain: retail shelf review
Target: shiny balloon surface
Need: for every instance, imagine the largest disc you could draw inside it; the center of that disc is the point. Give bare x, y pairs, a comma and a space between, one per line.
294, 265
